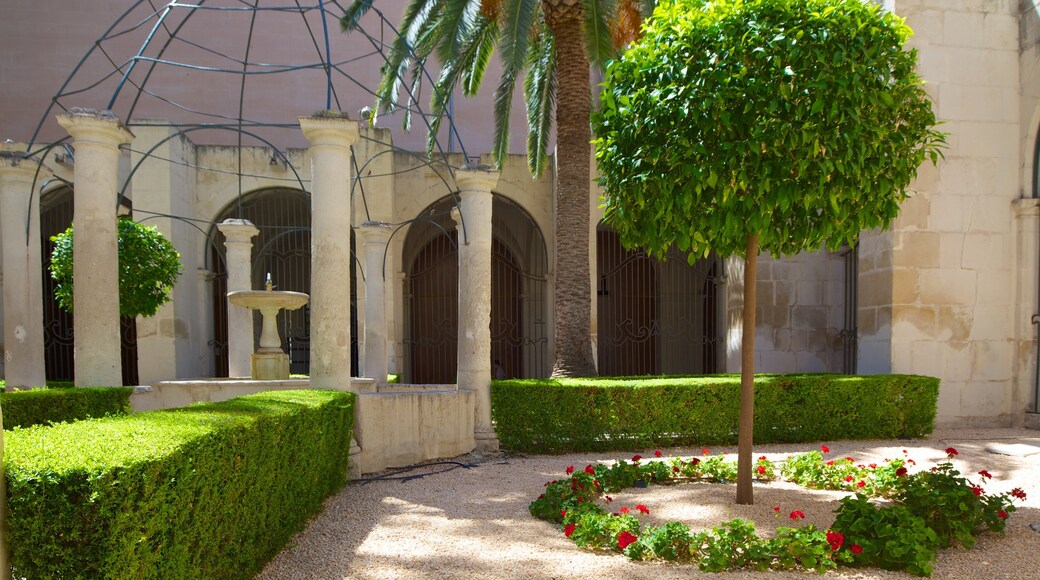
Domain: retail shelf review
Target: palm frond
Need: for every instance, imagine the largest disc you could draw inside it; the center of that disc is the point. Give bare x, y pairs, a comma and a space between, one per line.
599, 40
352, 15
518, 22
419, 17
485, 38
453, 25
471, 53
540, 96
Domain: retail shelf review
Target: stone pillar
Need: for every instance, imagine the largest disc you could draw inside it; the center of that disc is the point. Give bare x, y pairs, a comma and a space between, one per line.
374, 237
238, 239
330, 134
23, 295
96, 136
1027, 245
474, 366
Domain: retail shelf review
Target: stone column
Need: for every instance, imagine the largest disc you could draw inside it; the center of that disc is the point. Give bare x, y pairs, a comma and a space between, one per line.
1026, 229
374, 237
474, 366
96, 136
238, 239
23, 295
330, 134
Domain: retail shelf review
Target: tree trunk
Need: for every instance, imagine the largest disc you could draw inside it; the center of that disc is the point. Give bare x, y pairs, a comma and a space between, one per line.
747, 377
572, 298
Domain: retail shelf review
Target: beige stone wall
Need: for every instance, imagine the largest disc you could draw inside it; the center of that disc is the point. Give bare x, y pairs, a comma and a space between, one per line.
936, 291
800, 313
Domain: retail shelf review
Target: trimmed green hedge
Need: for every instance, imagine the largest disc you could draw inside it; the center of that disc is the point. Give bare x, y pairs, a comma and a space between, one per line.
604, 414
208, 491
42, 406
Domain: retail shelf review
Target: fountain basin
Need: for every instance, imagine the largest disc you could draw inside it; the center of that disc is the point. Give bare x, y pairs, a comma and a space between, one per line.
269, 362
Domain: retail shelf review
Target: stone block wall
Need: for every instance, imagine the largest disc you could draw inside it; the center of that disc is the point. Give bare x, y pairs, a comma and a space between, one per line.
936, 292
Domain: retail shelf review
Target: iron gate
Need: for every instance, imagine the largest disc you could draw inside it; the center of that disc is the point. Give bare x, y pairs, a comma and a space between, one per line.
656, 317
282, 249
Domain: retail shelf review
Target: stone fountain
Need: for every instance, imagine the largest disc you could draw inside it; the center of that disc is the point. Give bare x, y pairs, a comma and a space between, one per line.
269, 362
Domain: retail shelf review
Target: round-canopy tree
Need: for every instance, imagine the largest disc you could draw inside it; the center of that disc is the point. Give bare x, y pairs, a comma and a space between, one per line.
148, 268
742, 126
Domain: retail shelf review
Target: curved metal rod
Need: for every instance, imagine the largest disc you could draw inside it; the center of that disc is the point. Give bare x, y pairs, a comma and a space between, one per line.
314, 42
328, 57
133, 170
140, 51
79, 65
242, 98
297, 229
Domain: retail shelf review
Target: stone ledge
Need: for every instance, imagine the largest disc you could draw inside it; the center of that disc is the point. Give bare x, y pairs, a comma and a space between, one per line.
1032, 421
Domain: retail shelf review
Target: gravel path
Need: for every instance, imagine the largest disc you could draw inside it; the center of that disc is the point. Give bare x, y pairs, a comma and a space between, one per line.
473, 522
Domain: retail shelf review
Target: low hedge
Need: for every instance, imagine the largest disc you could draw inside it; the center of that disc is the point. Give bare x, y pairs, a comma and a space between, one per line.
42, 406
207, 491
603, 414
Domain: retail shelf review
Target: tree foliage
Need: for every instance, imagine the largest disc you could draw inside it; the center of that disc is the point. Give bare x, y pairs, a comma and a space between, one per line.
802, 122
148, 268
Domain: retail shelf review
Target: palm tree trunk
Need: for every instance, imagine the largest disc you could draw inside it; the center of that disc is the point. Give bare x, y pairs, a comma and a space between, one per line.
745, 440
572, 299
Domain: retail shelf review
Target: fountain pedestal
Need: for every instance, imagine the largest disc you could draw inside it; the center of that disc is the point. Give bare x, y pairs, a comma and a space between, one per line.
269, 362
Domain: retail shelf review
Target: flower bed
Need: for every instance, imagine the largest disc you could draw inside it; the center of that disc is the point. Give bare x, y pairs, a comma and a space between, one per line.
923, 511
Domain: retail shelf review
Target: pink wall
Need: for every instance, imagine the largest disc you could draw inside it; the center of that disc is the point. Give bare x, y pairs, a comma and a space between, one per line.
41, 41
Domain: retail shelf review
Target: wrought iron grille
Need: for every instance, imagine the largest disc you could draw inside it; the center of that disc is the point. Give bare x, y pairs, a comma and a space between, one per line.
656, 317
519, 329
283, 250
56, 211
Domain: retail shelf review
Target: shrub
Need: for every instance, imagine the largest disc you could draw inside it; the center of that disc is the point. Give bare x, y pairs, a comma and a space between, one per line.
890, 537
599, 414
211, 491
42, 406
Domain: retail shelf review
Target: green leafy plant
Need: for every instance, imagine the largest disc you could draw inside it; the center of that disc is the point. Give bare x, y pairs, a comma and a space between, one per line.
26, 408
953, 506
843, 473
889, 537
148, 268
740, 126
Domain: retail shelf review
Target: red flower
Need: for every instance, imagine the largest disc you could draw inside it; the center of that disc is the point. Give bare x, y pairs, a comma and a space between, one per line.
570, 470
850, 460
835, 540
848, 479
590, 470
904, 452
831, 462
985, 474
695, 462
705, 451
976, 490
825, 449
568, 530
642, 508
657, 453
763, 458
873, 466
797, 515
675, 468
609, 499
856, 549
950, 452
776, 509
624, 539
563, 513
861, 484
901, 472
1002, 514
761, 469
623, 510
1017, 492
636, 458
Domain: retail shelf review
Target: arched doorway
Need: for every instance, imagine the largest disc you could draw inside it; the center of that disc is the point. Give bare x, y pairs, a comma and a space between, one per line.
56, 211
282, 249
519, 328
656, 317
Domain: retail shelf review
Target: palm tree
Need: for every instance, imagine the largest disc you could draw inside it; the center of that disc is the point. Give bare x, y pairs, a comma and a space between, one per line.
554, 42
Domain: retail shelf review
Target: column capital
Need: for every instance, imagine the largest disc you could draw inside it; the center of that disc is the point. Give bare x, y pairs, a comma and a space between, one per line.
330, 128
16, 163
93, 126
476, 178
1026, 207
375, 232
237, 230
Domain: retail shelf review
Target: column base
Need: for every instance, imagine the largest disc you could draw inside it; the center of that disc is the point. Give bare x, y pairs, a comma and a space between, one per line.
486, 440
270, 366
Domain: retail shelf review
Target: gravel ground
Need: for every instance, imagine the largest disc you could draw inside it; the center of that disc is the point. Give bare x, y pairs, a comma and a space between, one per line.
473, 522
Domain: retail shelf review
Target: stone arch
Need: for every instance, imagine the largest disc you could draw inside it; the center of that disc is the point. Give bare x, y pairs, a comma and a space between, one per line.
283, 250
519, 309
